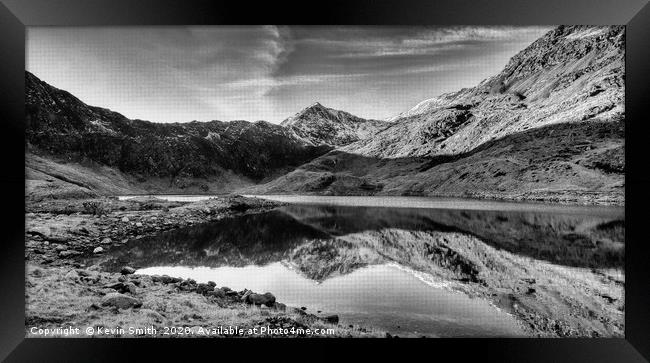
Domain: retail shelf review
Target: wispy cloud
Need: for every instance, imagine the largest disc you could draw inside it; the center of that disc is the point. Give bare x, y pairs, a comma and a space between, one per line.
420, 42
267, 72
281, 46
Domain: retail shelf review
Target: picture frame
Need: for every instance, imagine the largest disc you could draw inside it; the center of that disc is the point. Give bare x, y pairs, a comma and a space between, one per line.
16, 15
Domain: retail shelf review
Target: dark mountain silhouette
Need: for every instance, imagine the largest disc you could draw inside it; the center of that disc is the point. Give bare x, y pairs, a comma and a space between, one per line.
59, 124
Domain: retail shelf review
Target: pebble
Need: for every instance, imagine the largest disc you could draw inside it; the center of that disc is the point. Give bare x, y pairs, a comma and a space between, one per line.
68, 253
98, 250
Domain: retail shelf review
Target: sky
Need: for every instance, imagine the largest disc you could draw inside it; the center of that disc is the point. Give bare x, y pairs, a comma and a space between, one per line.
187, 73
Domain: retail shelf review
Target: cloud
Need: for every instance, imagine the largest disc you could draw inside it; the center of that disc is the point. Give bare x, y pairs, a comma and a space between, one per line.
281, 46
392, 50
183, 73
427, 41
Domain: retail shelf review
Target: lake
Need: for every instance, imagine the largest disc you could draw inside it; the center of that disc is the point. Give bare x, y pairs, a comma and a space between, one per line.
361, 257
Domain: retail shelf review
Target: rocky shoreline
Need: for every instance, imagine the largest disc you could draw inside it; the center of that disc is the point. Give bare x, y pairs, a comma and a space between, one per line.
62, 291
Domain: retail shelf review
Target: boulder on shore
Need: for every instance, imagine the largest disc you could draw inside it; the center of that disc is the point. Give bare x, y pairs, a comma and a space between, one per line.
216, 293
120, 301
127, 270
245, 295
261, 299
204, 288
165, 279
123, 287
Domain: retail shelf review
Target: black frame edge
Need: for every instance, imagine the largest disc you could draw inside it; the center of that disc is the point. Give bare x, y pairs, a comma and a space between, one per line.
12, 270
637, 191
634, 13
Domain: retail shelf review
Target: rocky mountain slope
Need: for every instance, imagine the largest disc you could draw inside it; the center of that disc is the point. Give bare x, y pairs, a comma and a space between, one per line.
571, 74
179, 154
576, 163
548, 127
318, 125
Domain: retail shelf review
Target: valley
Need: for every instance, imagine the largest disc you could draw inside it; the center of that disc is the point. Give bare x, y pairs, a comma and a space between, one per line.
549, 127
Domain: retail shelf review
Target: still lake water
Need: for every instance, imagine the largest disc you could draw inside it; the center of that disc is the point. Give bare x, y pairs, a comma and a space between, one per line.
273, 251
388, 297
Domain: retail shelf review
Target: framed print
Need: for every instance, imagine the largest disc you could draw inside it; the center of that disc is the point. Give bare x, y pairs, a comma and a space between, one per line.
472, 173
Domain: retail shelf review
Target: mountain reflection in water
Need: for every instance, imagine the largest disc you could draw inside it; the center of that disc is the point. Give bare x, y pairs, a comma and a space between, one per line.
385, 297
580, 240
374, 265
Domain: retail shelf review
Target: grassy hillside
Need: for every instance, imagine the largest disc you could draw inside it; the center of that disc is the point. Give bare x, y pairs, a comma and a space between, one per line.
576, 162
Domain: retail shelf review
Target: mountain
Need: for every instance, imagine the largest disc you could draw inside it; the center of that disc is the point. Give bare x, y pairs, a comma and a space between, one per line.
571, 74
61, 127
320, 125
549, 126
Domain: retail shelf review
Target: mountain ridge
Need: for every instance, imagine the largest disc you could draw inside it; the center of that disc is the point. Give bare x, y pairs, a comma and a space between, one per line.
60, 125
572, 73
318, 125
